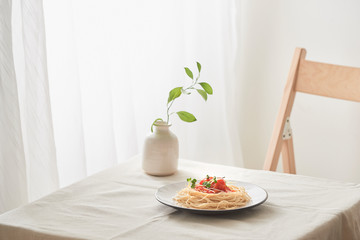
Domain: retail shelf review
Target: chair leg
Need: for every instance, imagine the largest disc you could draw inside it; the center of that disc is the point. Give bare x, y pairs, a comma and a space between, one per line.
276, 141
288, 157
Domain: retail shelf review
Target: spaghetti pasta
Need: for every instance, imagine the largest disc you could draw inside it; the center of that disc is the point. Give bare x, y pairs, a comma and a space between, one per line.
207, 196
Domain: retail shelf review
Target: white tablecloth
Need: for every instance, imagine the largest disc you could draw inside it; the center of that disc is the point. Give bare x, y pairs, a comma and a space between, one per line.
119, 203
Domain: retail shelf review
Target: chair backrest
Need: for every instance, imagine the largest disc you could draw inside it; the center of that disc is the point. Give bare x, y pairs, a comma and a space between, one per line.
314, 78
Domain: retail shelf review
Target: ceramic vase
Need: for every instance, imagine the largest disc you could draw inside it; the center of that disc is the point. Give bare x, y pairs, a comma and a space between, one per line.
161, 151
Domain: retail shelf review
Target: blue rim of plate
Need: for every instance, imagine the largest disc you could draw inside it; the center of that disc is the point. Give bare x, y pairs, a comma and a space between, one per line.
166, 193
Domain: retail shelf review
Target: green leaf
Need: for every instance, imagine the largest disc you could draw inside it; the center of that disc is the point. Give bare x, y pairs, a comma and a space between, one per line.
158, 119
189, 73
198, 66
206, 184
202, 93
174, 93
208, 89
186, 116
193, 182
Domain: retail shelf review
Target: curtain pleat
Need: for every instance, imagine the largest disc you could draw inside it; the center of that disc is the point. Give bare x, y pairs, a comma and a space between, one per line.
13, 181
28, 168
35, 102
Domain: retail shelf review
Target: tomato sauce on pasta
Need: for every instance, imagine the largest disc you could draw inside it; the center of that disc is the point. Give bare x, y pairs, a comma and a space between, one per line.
212, 193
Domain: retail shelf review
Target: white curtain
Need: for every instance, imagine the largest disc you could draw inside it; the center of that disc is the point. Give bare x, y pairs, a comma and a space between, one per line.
27, 151
112, 64
105, 76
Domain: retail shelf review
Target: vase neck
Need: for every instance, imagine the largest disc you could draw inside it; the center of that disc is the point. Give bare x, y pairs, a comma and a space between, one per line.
162, 126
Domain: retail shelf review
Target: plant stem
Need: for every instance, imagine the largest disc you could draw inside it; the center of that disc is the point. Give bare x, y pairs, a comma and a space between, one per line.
167, 112
171, 103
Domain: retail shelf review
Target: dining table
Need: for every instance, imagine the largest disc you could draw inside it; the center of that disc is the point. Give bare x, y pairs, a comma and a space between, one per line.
120, 203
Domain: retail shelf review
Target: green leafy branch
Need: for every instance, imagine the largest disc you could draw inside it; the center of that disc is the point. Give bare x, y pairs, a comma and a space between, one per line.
203, 88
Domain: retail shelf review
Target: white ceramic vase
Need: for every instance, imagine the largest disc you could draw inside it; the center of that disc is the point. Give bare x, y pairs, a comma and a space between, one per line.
161, 151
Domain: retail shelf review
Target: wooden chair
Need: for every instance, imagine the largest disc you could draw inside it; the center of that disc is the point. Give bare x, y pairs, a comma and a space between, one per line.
314, 78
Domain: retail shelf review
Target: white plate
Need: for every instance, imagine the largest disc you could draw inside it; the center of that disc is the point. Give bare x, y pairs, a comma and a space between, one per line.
166, 193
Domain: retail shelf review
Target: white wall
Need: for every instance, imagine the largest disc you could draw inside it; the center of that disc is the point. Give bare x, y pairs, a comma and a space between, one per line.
326, 131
